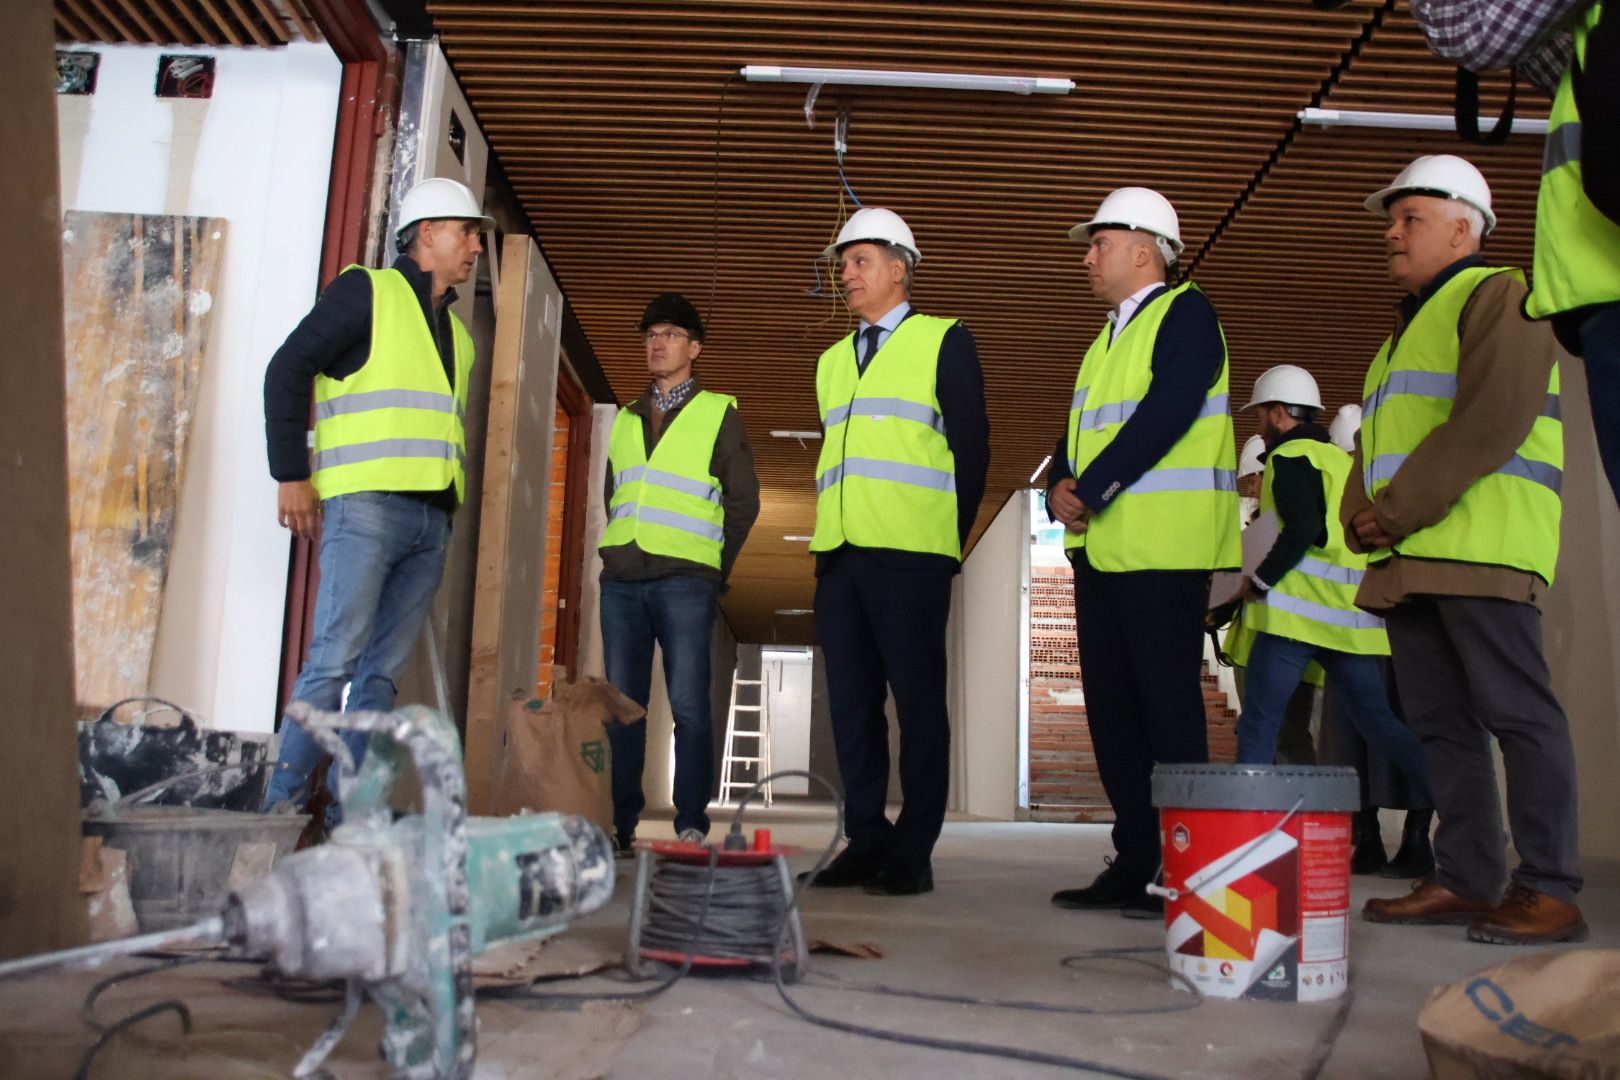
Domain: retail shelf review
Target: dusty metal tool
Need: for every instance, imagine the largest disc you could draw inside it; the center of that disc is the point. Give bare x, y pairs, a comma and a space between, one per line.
397, 909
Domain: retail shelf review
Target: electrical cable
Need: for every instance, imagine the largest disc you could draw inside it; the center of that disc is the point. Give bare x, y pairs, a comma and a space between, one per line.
714, 263
1349, 56
105, 1032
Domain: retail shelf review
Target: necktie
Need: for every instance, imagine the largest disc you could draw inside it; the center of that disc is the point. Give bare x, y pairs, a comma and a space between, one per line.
871, 334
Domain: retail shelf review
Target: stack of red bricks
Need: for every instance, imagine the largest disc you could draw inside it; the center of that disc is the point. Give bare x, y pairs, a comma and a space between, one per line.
1063, 780
556, 496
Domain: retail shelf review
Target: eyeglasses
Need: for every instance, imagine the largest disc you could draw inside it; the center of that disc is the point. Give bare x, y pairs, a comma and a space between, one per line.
666, 336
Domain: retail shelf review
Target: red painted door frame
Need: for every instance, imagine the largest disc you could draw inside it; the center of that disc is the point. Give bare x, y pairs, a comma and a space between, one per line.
367, 100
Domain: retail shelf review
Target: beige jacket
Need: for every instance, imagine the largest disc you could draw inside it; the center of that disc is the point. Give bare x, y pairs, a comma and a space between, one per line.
1503, 366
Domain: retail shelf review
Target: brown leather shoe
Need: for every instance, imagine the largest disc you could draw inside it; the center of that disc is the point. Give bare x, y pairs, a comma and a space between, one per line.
1429, 903
1528, 917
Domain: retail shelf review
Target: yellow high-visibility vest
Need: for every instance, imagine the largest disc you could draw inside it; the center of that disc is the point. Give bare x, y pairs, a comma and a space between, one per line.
886, 477
396, 424
1182, 514
1507, 518
669, 503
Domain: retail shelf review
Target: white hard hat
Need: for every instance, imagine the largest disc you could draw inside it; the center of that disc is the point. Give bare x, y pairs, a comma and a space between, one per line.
875, 225
1344, 427
1137, 208
1249, 461
440, 197
1443, 176
1286, 384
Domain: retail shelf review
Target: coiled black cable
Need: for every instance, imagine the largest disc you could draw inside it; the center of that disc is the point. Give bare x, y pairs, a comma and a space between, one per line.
745, 907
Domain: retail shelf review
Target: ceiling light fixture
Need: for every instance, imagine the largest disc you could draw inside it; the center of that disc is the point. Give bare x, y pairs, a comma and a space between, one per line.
1045, 461
799, 539
795, 611
927, 80
1398, 121
800, 435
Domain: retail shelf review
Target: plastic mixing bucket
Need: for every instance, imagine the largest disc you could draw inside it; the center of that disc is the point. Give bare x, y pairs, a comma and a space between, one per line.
1257, 866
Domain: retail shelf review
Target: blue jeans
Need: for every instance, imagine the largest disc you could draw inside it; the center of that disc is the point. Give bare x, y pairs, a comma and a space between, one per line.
382, 555
1275, 666
678, 614
1600, 347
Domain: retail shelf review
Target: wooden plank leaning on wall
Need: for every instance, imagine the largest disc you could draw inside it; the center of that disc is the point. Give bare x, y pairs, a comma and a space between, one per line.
507, 596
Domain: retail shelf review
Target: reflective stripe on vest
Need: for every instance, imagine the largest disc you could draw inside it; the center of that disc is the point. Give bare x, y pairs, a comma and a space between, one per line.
670, 505
1577, 262
886, 477
1315, 601
1182, 514
395, 424
1507, 518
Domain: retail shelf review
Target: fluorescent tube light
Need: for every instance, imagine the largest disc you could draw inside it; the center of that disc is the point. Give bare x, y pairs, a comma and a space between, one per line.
1403, 121
1045, 461
799, 539
801, 435
795, 611
928, 80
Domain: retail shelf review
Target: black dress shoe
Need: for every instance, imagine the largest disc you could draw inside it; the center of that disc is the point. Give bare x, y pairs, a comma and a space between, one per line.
1144, 906
852, 867
1113, 888
895, 880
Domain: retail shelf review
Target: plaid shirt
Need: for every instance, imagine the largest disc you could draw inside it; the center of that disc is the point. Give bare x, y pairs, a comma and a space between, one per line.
1487, 35
678, 393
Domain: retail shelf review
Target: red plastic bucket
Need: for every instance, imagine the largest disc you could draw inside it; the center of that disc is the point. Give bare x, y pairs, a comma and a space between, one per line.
1257, 871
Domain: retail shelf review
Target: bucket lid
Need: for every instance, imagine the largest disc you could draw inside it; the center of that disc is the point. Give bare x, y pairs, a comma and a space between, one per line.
1315, 788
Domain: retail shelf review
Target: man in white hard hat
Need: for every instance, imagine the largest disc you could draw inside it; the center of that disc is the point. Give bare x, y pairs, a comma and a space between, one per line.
681, 495
1294, 741
1144, 480
1454, 496
1301, 599
388, 365
901, 473
1346, 423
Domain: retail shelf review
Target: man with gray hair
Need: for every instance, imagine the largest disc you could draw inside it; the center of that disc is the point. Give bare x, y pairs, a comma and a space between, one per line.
1454, 496
901, 473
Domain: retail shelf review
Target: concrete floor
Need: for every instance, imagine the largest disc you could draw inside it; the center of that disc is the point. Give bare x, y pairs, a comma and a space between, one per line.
989, 930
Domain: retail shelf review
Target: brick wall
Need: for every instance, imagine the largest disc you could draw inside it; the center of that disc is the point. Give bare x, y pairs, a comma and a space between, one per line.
1063, 781
554, 539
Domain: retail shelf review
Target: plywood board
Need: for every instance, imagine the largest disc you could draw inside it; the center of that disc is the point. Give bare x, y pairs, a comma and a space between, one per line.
507, 597
138, 292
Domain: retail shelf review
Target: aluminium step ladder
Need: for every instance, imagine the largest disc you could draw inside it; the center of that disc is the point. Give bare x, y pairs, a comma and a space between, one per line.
760, 756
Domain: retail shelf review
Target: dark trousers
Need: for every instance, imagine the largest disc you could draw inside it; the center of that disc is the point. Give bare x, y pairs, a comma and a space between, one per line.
881, 626
677, 614
1141, 658
1600, 347
1469, 669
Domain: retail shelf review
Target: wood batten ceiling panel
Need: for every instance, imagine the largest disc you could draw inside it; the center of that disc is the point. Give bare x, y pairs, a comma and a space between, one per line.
184, 22
605, 118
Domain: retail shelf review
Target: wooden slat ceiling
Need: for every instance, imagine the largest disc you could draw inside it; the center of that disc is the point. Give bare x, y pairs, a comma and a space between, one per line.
606, 116
184, 22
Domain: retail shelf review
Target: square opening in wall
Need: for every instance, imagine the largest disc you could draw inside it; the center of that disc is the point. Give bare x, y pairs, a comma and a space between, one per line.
76, 71
180, 76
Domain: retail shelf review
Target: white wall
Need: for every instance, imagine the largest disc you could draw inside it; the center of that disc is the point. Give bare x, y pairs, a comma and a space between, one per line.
259, 154
787, 677
987, 666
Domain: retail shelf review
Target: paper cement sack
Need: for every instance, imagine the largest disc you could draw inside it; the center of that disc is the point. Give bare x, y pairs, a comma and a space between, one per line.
557, 753
1554, 1014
